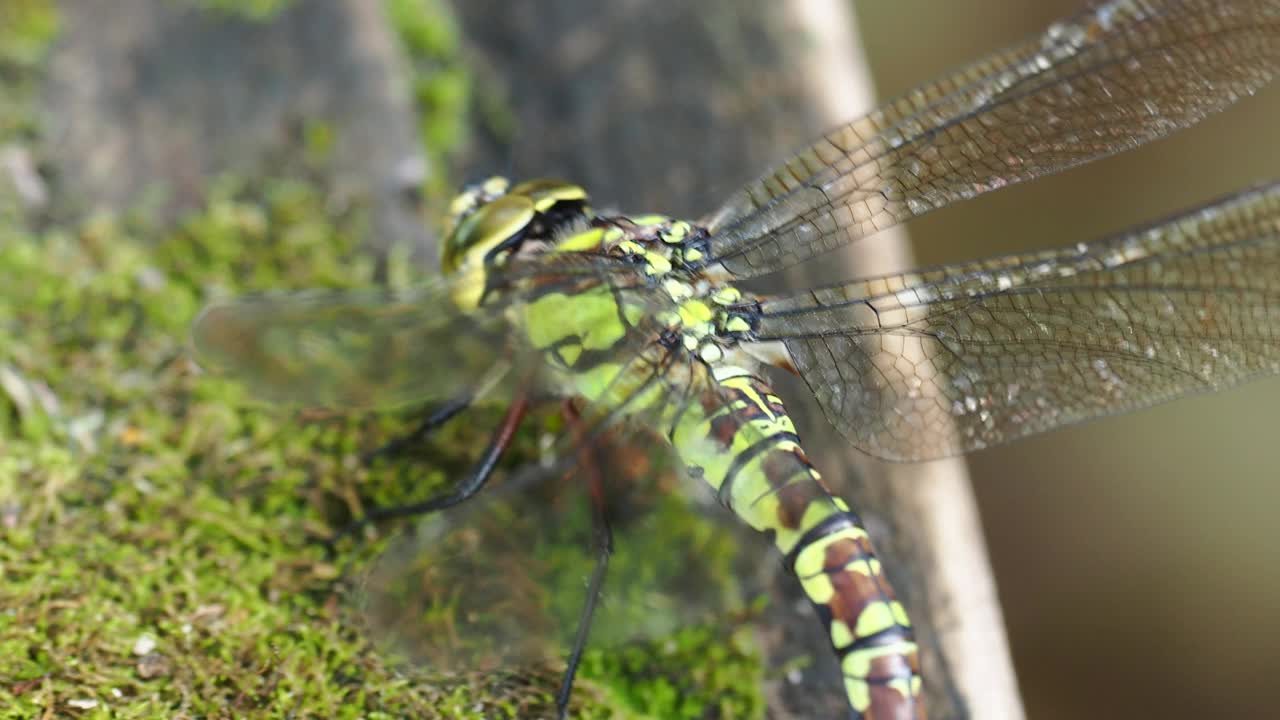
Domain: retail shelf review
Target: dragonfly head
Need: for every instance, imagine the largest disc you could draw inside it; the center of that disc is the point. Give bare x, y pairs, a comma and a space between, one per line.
489, 220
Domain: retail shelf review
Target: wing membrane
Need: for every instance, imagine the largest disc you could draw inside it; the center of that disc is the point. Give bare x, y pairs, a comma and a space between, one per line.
944, 361
1116, 76
383, 349
500, 582
368, 348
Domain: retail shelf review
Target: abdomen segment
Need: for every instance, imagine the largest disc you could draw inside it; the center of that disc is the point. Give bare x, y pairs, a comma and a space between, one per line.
741, 440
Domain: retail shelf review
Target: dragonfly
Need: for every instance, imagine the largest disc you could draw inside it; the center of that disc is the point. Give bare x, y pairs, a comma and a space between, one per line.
640, 327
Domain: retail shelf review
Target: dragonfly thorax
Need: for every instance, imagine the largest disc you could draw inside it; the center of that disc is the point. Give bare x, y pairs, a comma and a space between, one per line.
644, 296
636, 281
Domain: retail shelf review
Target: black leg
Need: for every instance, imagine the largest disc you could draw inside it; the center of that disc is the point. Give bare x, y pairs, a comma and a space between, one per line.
602, 543
437, 418
480, 474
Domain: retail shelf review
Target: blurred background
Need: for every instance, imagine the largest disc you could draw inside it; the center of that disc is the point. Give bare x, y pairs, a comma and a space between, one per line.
1136, 557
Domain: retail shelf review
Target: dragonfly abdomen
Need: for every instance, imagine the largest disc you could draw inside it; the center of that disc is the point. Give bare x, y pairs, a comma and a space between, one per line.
741, 440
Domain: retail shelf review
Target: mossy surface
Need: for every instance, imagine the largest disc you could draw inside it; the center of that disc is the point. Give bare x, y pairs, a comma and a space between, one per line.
160, 550
442, 86
256, 10
455, 104
27, 27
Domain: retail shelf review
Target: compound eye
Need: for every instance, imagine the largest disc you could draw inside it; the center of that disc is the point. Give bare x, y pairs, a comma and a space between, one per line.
473, 196
485, 229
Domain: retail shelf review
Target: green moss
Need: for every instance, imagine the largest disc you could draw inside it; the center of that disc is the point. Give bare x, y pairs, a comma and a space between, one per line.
701, 671
254, 10
27, 29
158, 551
442, 83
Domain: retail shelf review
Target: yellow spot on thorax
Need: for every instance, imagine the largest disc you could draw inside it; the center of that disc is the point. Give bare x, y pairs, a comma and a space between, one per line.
581, 242
646, 220
657, 264
695, 312
726, 295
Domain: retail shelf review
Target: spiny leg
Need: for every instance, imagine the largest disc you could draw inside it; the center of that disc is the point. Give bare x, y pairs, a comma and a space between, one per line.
499, 443
434, 421
602, 543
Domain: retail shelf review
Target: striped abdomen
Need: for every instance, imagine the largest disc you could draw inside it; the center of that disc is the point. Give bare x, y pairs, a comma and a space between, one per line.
744, 444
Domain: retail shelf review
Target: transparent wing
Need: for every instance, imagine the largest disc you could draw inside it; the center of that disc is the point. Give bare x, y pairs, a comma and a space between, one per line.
368, 348
500, 582
1111, 78
961, 357
382, 348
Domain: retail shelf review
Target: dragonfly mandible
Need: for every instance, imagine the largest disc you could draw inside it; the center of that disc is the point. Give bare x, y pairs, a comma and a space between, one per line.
638, 322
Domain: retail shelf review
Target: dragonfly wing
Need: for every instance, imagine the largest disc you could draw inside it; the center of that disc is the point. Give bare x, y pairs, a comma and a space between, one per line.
379, 348
351, 349
500, 582
962, 357
1113, 77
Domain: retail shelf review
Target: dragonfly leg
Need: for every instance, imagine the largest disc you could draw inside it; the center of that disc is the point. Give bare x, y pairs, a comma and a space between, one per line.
602, 543
436, 419
480, 474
